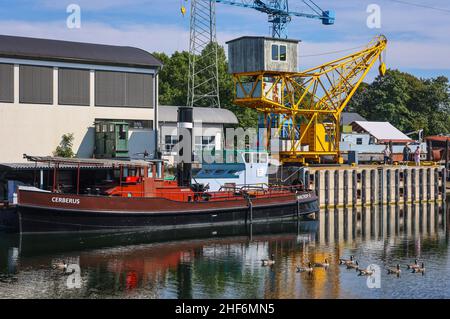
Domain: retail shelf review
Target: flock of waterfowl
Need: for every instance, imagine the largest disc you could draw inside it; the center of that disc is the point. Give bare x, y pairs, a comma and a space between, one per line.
350, 263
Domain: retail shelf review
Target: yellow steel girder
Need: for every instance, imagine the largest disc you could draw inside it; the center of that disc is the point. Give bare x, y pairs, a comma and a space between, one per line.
310, 102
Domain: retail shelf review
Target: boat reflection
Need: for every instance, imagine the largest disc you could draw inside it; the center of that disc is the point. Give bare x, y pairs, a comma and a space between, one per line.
225, 261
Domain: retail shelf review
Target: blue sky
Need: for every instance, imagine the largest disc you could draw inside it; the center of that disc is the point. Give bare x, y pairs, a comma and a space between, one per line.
419, 37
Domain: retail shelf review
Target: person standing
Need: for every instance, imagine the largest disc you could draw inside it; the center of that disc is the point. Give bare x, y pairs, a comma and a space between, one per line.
387, 155
406, 153
417, 156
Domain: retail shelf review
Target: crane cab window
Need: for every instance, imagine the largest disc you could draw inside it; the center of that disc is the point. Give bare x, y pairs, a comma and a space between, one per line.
282, 53
275, 52
279, 52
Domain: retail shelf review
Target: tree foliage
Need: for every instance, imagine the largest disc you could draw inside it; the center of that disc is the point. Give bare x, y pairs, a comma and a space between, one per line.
408, 102
173, 83
64, 148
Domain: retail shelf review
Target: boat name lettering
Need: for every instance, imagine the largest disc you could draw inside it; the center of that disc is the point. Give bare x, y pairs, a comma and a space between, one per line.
303, 196
64, 200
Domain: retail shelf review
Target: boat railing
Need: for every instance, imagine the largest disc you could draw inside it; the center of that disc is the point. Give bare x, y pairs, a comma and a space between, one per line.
225, 193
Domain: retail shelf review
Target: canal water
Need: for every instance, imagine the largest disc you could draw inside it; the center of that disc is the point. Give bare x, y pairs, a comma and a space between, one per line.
225, 262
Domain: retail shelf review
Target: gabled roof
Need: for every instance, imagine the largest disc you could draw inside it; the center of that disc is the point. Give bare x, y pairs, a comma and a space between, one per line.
382, 131
75, 52
209, 115
348, 118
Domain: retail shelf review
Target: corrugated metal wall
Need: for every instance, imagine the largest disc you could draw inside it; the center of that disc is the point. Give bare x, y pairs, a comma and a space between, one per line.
74, 87
7, 83
123, 89
36, 84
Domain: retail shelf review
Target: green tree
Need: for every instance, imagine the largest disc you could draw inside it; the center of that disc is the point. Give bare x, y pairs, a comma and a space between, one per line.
64, 149
173, 82
409, 103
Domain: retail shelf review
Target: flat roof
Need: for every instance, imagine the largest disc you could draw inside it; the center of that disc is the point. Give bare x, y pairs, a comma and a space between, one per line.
211, 115
75, 52
265, 38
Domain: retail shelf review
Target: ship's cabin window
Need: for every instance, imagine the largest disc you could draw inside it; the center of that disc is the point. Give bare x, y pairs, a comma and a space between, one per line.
111, 128
263, 158
104, 128
98, 128
247, 157
359, 141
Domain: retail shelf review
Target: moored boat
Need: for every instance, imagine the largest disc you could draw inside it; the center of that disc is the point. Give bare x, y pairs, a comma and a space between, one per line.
142, 198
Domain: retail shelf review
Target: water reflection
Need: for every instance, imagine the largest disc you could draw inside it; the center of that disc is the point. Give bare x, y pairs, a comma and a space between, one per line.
225, 261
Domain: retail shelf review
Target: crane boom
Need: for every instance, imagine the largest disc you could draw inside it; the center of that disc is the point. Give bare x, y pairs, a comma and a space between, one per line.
279, 13
310, 102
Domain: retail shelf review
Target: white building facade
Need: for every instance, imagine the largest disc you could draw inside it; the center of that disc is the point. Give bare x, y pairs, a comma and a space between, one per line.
49, 88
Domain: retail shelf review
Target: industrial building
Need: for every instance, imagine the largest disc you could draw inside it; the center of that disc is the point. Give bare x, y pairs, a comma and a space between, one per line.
49, 88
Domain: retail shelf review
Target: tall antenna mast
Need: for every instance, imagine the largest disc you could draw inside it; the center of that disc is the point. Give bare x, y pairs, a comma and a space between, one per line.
203, 84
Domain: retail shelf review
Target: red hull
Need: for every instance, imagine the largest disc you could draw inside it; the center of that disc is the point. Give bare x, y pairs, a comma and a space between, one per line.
46, 212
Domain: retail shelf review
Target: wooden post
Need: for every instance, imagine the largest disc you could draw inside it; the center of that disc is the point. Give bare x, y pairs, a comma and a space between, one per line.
428, 184
78, 179
421, 182
372, 187
388, 186
436, 184
363, 187
447, 151
317, 185
346, 188
336, 188
397, 186
405, 187
381, 187
354, 188
327, 188
413, 185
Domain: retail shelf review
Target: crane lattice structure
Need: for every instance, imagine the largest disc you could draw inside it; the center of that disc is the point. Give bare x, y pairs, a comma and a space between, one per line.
279, 14
310, 102
203, 84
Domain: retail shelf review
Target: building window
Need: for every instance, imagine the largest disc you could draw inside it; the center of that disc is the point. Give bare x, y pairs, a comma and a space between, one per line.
279, 52
123, 89
204, 142
36, 84
359, 141
132, 124
170, 142
7, 83
73, 87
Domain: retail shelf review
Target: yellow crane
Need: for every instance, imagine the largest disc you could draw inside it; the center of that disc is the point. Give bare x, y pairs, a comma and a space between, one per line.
309, 103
